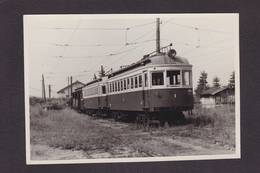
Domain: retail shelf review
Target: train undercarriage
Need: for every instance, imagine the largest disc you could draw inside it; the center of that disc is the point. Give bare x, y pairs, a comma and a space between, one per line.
145, 118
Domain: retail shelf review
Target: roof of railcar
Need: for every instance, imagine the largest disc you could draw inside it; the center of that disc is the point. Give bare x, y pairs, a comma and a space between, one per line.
161, 58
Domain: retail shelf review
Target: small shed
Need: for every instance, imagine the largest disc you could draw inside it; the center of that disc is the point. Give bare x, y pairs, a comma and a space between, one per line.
218, 95
66, 91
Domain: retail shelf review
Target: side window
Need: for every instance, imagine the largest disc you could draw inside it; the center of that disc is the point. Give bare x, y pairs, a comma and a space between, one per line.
140, 81
132, 82
115, 86
157, 78
121, 85
118, 85
124, 84
136, 82
103, 89
128, 83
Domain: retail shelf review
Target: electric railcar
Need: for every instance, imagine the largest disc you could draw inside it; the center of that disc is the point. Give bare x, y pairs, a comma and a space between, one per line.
158, 85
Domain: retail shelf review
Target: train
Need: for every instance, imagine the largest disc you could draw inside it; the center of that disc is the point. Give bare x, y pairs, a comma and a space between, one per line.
159, 86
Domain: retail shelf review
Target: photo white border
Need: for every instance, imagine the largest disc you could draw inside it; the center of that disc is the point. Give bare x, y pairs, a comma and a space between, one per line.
236, 155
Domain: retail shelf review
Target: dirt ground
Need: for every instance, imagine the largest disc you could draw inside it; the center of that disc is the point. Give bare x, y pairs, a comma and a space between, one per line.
129, 140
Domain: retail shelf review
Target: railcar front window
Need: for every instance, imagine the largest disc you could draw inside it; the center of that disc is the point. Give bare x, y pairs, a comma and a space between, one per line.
173, 77
186, 78
157, 78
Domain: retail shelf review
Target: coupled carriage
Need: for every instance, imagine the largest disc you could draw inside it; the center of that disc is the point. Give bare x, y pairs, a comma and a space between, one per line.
159, 86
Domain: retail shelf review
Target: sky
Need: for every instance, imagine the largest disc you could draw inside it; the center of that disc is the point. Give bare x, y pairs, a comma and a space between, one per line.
59, 46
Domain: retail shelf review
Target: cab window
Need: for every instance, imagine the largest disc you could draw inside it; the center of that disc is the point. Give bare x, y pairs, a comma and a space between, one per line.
186, 78
173, 77
157, 78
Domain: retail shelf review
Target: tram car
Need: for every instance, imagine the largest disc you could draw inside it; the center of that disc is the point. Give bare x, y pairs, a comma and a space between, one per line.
159, 86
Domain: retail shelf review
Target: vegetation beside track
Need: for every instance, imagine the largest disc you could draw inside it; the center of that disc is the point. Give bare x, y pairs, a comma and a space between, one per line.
207, 131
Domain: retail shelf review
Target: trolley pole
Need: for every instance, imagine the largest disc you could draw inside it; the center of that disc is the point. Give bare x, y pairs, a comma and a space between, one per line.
158, 35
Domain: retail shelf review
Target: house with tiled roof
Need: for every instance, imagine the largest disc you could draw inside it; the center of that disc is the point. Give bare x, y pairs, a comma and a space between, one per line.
218, 95
66, 91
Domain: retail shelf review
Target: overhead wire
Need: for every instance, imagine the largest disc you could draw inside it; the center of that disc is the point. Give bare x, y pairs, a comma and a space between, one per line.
68, 41
199, 28
121, 51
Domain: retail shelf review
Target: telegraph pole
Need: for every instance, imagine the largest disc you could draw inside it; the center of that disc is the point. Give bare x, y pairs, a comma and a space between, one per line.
49, 91
157, 35
68, 86
71, 91
43, 89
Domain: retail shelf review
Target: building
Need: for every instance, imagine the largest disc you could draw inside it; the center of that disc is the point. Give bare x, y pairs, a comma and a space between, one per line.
66, 91
218, 95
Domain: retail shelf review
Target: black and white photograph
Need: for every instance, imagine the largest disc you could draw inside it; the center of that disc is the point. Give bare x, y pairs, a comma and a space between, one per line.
103, 88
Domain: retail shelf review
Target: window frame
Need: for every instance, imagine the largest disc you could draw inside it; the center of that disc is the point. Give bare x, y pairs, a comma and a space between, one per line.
179, 77
163, 74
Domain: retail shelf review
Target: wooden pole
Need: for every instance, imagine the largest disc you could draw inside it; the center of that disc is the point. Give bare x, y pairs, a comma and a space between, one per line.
158, 35
71, 91
49, 91
43, 88
68, 86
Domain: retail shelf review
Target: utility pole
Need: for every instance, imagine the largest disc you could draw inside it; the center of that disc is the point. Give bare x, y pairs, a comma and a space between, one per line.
71, 91
157, 35
49, 91
43, 89
68, 86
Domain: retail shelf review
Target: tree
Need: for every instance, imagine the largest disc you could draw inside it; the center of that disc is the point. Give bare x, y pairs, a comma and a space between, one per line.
231, 83
102, 71
216, 82
202, 83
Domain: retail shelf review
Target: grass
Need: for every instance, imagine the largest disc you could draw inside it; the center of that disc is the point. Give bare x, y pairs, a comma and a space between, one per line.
216, 124
67, 129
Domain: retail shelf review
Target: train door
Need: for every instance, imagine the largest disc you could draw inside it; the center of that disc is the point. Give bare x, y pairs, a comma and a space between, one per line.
145, 91
99, 96
103, 99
